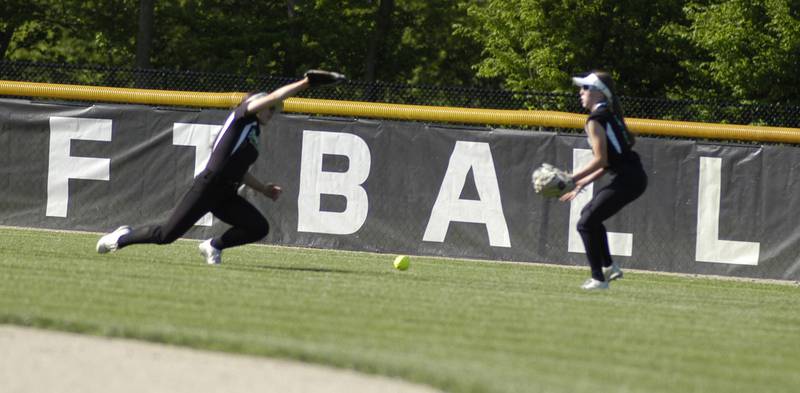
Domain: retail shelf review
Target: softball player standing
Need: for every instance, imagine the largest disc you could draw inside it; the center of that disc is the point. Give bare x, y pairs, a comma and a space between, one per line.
612, 153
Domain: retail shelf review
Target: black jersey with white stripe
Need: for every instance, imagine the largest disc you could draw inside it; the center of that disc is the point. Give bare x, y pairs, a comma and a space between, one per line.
619, 141
236, 146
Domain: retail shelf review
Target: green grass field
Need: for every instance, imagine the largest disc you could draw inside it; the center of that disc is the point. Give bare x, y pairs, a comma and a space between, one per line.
461, 326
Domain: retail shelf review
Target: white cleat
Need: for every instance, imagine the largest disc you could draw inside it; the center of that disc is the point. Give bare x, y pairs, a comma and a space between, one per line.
612, 272
211, 254
108, 242
591, 284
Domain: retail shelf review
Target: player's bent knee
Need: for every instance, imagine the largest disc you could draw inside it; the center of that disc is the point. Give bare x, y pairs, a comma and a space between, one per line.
261, 231
587, 224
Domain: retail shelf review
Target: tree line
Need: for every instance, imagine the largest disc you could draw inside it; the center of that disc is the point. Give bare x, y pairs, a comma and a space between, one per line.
745, 50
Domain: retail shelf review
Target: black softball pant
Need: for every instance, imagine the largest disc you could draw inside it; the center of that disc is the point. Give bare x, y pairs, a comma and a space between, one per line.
624, 189
206, 195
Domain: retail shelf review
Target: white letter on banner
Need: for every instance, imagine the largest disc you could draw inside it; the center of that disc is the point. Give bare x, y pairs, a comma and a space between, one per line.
314, 182
708, 247
63, 167
202, 137
488, 209
618, 243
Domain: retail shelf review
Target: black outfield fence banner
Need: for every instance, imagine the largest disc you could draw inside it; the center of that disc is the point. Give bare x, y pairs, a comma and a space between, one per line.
403, 187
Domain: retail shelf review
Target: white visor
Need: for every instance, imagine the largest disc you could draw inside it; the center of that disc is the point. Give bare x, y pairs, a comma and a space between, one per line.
593, 81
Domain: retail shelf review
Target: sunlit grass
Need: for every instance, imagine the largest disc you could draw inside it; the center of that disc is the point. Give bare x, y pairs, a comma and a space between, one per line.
461, 326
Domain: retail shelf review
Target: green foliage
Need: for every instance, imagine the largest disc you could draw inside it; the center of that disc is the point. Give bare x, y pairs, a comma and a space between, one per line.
461, 326
427, 50
252, 38
220, 36
748, 49
539, 44
744, 50
16, 15
74, 31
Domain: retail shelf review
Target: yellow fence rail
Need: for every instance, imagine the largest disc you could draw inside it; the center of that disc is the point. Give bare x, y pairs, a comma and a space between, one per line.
400, 112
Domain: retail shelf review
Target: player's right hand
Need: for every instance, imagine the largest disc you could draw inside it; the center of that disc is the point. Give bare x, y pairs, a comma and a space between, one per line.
273, 191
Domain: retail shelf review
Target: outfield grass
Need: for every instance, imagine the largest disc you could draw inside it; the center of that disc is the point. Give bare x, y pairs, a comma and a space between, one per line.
462, 326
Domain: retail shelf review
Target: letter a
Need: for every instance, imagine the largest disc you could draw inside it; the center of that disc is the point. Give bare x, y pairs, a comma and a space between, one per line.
487, 210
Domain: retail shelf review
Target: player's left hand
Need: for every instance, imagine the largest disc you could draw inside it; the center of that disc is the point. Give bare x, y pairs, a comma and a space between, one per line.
273, 191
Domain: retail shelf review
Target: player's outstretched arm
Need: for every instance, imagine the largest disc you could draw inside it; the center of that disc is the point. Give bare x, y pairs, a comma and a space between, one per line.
312, 78
277, 96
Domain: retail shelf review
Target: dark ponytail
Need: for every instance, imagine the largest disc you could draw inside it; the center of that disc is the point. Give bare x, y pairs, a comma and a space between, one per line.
614, 103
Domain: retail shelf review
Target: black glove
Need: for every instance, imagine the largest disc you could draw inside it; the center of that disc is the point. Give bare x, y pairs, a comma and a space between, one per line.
320, 77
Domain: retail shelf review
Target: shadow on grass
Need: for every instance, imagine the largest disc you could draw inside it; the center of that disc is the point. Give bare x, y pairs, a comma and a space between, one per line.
265, 268
303, 269
299, 269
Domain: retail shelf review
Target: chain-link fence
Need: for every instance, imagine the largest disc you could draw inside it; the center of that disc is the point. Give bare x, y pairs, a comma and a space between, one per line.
396, 93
